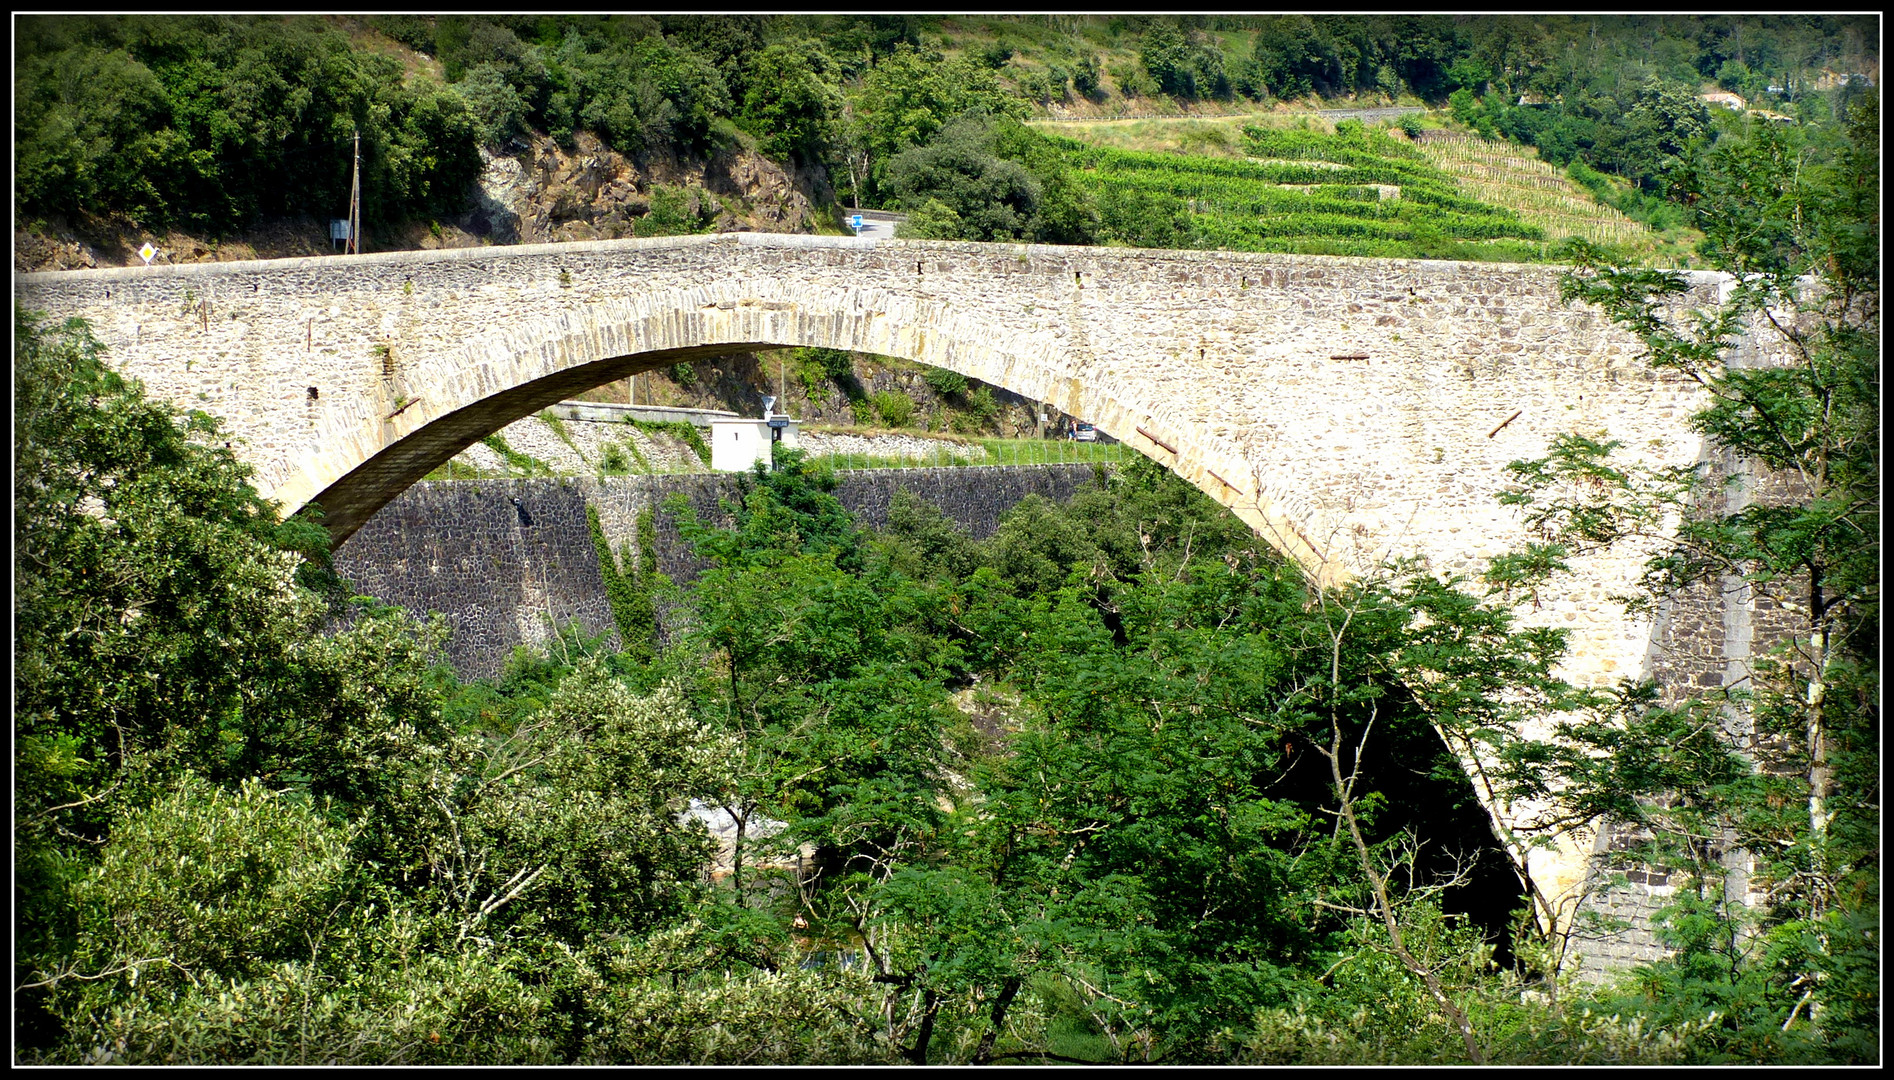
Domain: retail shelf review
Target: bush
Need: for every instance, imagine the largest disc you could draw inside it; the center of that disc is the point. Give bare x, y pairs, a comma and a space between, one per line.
674, 212
496, 106
934, 220
1085, 76
946, 383
893, 407
211, 882
984, 196
1133, 81
518, 460
837, 364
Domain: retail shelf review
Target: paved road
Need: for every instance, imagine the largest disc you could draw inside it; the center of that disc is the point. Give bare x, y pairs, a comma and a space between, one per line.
877, 224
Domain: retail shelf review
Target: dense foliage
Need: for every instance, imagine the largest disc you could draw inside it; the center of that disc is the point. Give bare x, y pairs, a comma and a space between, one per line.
436, 872
213, 122
210, 122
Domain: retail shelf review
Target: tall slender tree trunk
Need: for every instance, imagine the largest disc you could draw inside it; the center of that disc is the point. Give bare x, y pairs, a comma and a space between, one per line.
1819, 774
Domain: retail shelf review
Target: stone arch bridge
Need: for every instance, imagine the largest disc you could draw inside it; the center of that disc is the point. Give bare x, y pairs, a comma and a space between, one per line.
1347, 409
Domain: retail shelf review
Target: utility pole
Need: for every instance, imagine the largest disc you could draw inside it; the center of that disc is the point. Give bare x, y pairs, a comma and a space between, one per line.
355, 201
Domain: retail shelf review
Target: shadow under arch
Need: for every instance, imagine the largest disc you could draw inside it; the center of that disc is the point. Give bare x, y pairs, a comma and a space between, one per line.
462, 394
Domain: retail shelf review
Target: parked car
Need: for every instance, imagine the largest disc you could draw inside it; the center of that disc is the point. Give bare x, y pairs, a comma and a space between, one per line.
1084, 433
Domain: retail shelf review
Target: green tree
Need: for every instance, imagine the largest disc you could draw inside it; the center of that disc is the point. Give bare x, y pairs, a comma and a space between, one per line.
909, 97
814, 670
1793, 224
496, 106
155, 603
1658, 131
792, 104
1165, 54
990, 198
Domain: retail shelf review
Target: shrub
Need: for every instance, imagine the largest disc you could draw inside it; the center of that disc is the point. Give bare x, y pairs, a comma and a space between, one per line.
946, 383
837, 364
894, 407
682, 430
1085, 76
525, 464
613, 462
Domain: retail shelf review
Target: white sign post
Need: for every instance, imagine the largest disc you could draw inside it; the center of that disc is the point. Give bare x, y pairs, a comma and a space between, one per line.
147, 252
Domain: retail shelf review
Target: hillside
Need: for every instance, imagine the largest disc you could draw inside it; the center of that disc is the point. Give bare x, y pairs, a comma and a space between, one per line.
231, 137
1530, 205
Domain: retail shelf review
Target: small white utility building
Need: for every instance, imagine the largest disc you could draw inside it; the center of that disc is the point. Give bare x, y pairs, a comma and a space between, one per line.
737, 445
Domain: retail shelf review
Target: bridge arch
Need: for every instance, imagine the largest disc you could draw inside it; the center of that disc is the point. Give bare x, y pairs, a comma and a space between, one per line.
463, 394
1346, 409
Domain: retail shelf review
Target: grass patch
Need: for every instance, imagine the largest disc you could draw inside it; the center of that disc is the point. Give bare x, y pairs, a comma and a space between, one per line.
1052, 451
521, 463
558, 426
951, 452
682, 430
615, 462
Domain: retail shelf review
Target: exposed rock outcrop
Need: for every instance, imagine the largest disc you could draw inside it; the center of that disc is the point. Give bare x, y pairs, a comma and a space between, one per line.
541, 192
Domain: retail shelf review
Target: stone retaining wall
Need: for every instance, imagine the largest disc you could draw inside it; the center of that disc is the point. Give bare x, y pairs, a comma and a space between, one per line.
502, 560
505, 560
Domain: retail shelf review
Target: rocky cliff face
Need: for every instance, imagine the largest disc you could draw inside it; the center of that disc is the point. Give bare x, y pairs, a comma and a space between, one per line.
535, 191
542, 193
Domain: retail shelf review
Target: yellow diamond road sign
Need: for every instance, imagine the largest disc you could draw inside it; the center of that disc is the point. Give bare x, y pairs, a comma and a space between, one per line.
147, 252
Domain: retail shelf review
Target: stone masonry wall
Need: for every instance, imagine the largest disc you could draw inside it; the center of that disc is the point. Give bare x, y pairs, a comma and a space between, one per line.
1705, 640
503, 561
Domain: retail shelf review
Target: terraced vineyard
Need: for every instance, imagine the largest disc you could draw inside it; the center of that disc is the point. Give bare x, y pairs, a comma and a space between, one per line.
1514, 177
1355, 192
1358, 191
